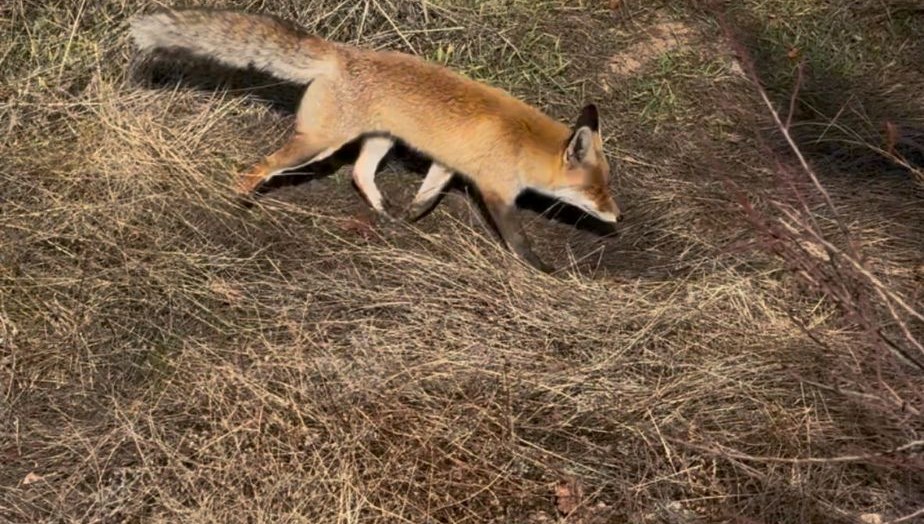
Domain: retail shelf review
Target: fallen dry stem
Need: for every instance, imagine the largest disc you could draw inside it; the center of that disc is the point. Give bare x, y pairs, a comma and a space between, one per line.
803, 460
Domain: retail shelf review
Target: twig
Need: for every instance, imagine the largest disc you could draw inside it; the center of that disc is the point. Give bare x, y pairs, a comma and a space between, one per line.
907, 518
795, 93
805, 460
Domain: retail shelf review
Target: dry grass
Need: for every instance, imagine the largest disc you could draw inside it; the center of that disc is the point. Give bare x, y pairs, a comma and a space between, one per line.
166, 355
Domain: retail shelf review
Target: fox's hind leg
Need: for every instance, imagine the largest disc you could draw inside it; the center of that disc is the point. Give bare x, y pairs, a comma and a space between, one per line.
320, 130
436, 180
302, 149
373, 151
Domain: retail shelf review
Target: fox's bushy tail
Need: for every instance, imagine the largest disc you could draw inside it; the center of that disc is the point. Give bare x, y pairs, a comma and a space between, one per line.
238, 40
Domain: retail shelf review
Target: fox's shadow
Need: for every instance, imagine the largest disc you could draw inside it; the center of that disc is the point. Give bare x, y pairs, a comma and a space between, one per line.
169, 69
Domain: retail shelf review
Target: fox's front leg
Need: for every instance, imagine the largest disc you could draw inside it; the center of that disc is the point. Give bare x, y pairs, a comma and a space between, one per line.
434, 183
511, 231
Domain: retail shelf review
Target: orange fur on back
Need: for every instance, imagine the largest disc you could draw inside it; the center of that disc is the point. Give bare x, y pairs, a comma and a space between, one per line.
473, 128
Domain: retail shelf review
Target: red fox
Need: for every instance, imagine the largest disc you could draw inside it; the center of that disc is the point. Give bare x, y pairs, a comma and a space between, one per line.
500, 144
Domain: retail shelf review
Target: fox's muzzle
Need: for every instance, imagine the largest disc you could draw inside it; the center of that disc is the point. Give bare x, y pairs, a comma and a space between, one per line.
608, 210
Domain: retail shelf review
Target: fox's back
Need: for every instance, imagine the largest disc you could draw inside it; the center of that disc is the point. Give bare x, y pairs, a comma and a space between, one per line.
459, 121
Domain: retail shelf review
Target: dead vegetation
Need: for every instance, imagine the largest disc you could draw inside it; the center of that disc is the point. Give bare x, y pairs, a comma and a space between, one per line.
744, 350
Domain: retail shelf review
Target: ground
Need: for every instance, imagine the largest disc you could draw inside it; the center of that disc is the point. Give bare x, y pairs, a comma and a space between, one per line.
744, 348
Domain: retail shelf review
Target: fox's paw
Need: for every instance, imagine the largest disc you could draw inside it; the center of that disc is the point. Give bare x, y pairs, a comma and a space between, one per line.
415, 211
246, 184
245, 200
543, 267
245, 196
531, 259
389, 211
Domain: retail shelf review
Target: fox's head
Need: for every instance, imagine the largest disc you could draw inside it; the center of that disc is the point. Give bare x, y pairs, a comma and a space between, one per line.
584, 180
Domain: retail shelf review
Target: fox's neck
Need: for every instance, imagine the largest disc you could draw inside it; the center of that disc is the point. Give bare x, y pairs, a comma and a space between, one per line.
543, 154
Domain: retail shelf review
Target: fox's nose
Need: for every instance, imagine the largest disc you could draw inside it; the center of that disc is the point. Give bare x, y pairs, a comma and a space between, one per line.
617, 210
610, 217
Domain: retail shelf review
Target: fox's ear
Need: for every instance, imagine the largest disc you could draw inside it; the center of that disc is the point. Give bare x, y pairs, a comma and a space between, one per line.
589, 118
579, 145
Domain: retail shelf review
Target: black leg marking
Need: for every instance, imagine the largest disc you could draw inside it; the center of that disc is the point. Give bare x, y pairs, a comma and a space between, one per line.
511, 232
